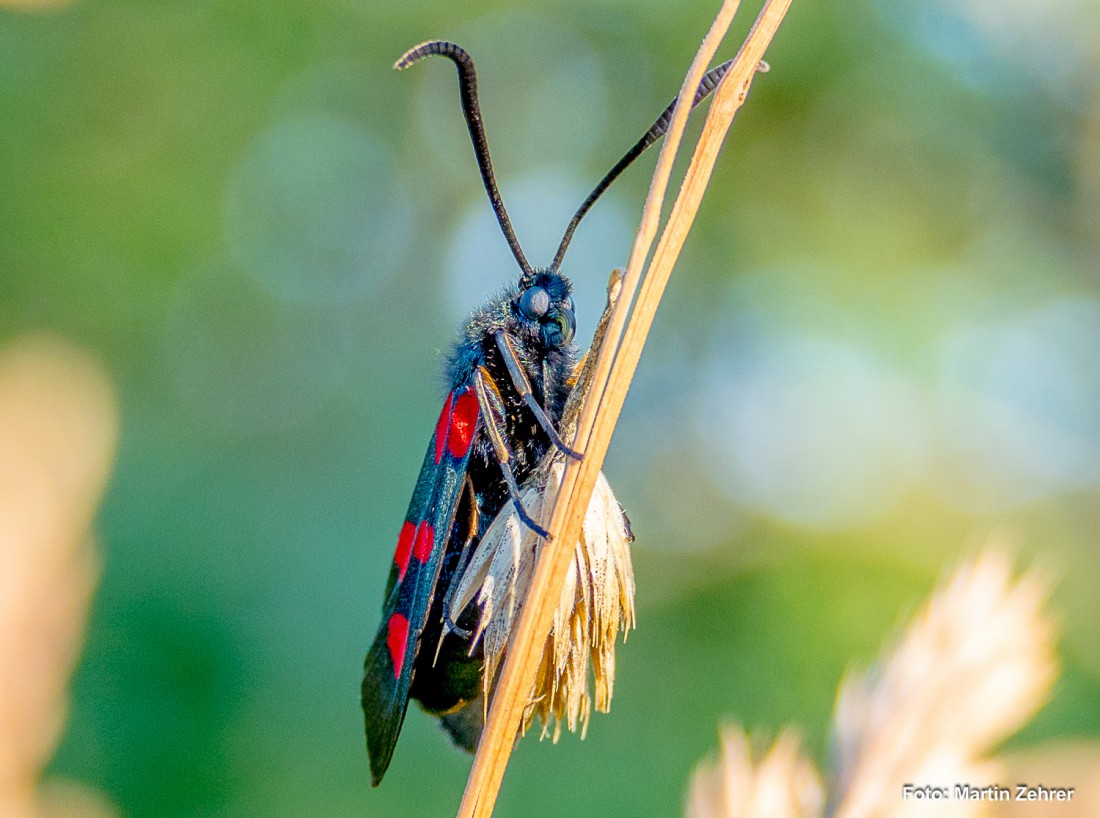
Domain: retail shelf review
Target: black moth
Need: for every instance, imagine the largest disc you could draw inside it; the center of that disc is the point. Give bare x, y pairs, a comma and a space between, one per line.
510, 374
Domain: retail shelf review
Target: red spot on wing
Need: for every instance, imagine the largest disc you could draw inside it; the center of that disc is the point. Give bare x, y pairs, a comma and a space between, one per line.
442, 425
397, 634
463, 423
425, 538
404, 548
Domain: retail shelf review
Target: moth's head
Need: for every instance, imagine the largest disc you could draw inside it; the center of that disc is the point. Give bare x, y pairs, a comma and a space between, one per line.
545, 307
542, 305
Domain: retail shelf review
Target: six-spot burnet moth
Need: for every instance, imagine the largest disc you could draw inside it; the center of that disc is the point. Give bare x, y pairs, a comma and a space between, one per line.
596, 600
510, 374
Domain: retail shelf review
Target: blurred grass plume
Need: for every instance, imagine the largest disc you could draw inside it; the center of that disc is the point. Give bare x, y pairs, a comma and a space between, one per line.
973, 666
781, 784
58, 429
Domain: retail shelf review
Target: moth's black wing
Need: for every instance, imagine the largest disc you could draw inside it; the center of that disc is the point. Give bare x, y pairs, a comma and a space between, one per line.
388, 669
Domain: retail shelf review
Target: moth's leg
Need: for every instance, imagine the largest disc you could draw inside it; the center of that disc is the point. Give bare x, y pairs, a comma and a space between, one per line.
523, 386
545, 380
463, 560
492, 409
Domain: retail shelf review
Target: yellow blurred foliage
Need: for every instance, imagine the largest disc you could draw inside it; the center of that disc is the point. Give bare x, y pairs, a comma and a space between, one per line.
58, 431
34, 5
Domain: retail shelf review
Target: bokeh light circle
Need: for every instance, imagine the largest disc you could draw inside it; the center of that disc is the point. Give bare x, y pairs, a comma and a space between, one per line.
809, 429
245, 362
312, 212
1015, 405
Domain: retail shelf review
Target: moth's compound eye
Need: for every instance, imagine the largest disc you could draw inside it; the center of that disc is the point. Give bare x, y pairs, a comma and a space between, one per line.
534, 302
568, 324
559, 328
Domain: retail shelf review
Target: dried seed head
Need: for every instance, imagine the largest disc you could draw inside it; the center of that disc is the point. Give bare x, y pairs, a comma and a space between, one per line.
596, 603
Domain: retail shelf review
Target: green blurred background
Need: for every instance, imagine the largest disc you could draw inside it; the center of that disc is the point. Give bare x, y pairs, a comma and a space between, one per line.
880, 348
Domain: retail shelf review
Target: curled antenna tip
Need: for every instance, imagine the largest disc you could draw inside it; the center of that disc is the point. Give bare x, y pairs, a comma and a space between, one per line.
416, 53
471, 111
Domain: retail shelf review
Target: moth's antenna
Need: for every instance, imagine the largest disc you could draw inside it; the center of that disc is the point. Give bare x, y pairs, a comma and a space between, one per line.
467, 83
709, 83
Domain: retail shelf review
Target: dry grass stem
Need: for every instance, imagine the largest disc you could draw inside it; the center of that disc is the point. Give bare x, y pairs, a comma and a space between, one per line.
782, 784
614, 369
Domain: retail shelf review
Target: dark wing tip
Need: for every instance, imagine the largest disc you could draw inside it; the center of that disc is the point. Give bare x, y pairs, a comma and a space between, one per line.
384, 701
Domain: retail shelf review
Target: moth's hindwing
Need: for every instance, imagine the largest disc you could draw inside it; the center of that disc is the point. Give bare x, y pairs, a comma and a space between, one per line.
388, 669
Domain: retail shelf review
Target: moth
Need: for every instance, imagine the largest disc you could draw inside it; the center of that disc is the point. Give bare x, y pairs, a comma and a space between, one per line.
510, 374
596, 601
